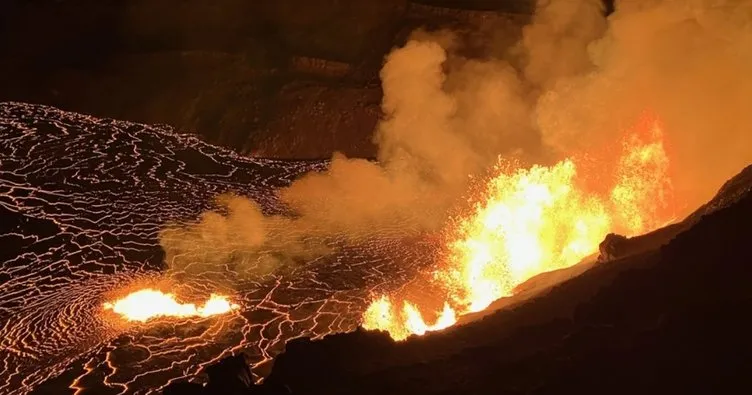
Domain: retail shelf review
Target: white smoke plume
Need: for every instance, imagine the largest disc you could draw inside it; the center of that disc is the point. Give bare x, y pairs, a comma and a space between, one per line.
575, 79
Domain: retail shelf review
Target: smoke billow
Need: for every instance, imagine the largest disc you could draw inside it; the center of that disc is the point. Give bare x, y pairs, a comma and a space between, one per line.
574, 80
684, 61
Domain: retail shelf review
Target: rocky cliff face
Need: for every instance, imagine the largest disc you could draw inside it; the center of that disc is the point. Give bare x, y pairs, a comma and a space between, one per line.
289, 78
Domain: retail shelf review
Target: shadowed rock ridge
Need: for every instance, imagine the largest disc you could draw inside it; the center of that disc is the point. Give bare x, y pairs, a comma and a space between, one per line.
668, 317
231, 376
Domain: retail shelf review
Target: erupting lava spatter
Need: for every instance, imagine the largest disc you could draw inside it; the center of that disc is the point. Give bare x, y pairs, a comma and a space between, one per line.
146, 304
535, 220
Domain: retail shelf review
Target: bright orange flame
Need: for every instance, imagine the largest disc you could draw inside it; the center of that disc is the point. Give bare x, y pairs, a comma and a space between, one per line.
146, 304
533, 221
379, 316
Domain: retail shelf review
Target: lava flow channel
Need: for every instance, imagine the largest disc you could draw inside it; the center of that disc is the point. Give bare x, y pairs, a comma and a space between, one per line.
535, 220
148, 303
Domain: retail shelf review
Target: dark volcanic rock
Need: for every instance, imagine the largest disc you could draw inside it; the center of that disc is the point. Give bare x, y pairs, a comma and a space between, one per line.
343, 117
222, 68
183, 388
665, 320
731, 192
612, 247
230, 376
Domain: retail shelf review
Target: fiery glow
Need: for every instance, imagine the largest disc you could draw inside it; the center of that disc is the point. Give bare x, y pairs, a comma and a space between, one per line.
146, 304
535, 220
380, 316
644, 188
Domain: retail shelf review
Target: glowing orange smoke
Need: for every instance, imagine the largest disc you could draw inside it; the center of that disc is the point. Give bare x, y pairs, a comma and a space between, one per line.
146, 304
532, 221
643, 190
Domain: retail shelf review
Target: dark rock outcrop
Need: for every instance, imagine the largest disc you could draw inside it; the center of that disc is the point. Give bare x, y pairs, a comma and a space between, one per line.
612, 247
230, 376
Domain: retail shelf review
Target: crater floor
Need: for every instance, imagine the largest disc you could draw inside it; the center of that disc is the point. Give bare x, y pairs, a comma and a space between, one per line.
82, 201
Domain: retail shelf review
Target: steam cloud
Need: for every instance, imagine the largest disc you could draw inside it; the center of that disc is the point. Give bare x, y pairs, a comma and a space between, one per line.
574, 80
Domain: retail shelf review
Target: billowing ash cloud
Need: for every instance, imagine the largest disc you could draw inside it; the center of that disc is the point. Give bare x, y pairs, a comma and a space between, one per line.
574, 81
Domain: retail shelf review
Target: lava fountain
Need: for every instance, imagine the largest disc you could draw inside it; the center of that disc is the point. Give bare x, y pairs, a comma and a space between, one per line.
147, 304
534, 220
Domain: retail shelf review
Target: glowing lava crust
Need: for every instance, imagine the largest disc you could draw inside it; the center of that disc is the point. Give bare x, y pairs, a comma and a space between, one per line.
535, 220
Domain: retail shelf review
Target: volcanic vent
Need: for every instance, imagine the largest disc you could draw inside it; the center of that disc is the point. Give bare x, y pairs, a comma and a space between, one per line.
531, 221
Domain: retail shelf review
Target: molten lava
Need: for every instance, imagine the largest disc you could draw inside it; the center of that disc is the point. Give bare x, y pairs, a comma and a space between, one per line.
535, 220
146, 304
